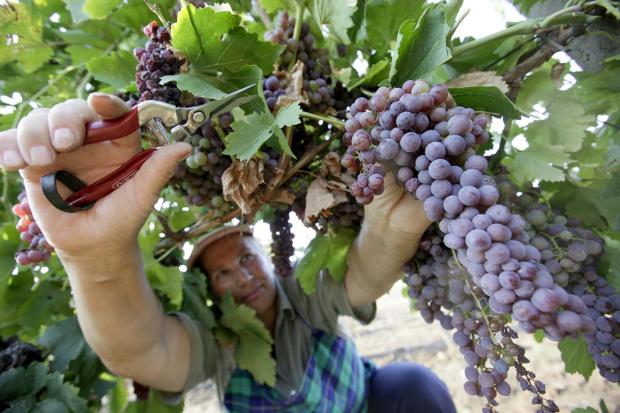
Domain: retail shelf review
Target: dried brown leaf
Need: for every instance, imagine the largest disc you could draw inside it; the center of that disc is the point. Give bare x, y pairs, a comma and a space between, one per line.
489, 78
240, 182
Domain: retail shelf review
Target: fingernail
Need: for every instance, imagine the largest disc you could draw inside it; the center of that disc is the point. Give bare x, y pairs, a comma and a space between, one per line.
63, 138
11, 158
40, 155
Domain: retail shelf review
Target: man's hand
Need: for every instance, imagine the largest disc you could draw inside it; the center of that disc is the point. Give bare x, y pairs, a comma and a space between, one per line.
393, 225
47, 140
395, 214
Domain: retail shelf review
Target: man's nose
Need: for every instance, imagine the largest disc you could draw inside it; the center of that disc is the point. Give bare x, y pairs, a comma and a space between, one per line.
244, 275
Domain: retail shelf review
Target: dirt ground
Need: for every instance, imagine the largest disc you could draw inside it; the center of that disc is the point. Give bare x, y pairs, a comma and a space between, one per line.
397, 334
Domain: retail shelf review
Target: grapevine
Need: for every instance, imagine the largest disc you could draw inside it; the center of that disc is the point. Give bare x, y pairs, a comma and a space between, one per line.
523, 240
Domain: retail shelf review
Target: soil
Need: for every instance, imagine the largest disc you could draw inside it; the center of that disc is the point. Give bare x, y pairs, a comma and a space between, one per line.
398, 334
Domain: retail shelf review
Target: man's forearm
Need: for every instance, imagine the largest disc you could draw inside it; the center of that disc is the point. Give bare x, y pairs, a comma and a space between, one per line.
118, 312
375, 263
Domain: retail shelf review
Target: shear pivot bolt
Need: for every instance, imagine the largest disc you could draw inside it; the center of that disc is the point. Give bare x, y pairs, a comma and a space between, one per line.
198, 117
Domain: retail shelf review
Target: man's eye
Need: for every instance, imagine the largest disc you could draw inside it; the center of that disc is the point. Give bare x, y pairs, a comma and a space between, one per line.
247, 257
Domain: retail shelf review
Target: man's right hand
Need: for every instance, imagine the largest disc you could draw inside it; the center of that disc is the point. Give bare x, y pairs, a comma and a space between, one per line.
47, 140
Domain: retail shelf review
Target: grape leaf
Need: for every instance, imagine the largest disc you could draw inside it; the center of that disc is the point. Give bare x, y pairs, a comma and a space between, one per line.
83, 53
576, 357
452, 10
611, 259
196, 29
486, 98
420, 46
277, 5
251, 132
195, 298
383, 19
65, 340
335, 14
21, 381
609, 7
118, 69
237, 49
253, 350
197, 84
75, 8
99, 9
582, 410
336, 260
536, 162
603, 406
309, 267
610, 199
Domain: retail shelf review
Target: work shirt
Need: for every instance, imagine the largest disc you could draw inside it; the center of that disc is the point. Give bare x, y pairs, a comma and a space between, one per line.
292, 340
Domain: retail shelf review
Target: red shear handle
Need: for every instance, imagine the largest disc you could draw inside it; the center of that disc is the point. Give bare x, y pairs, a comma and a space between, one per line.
104, 130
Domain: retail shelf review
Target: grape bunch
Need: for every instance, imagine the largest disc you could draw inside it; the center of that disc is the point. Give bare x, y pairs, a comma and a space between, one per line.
317, 83
14, 353
429, 141
569, 252
282, 242
443, 291
39, 250
199, 178
156, 60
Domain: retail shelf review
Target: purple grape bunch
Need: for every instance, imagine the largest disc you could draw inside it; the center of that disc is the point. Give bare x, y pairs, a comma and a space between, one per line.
429, 142
39, 250
156, 60
570, 252
443, 291
282, 241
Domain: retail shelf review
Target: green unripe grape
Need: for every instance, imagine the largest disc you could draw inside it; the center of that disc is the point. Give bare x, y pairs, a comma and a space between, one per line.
191, 164
204, 143
217, 201
560, 220
200, 159
565, 235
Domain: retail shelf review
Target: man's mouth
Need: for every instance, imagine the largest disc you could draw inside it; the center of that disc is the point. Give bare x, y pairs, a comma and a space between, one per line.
252, 295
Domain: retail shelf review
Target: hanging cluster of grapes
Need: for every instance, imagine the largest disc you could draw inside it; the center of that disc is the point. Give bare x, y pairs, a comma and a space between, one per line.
569, 252
444, 292
156, 60
318, 85
282, 241
14, 353
39, 250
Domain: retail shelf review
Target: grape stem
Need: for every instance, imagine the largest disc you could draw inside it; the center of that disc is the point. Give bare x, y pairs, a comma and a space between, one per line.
329, 119
300, 6
525, 27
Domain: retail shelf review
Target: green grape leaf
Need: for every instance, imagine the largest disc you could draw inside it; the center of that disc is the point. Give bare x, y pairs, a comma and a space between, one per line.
22, 381
582, 410
335, 14
603, 406
612, 259
179, 219
537, 163
153, 404
336, 260
118, 397
197, 84
565, 126
195, 298
250, 132
9, 243
253, 350
452, 10
75, 8
576, 357
237, 49
309, 267
65, 340
486, 98
383, 20
83, 53
99, 9
277, 5
420, 46
609, 199
118, 69
196, 29
614, 11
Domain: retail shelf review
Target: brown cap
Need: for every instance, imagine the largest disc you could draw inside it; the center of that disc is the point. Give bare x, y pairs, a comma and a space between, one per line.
213, 236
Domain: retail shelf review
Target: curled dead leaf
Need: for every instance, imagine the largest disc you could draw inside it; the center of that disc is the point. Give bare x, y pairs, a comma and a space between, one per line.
331, 165
240, 182
323, 195
489, 78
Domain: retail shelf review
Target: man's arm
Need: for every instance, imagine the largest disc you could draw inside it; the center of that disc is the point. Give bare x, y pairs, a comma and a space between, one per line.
123, 321
393, 225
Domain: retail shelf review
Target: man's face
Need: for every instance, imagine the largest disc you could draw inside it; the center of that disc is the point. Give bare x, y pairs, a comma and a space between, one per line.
237, 263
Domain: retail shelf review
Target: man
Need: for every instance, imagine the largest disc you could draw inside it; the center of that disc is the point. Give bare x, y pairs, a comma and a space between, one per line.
124, 323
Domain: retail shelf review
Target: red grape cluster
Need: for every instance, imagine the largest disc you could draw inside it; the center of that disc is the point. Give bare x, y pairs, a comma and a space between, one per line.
39, 250
317, 82
569, 252
282, 242
156, 60
443, 291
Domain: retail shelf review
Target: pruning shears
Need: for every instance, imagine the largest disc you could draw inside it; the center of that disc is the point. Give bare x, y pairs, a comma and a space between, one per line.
153, 117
